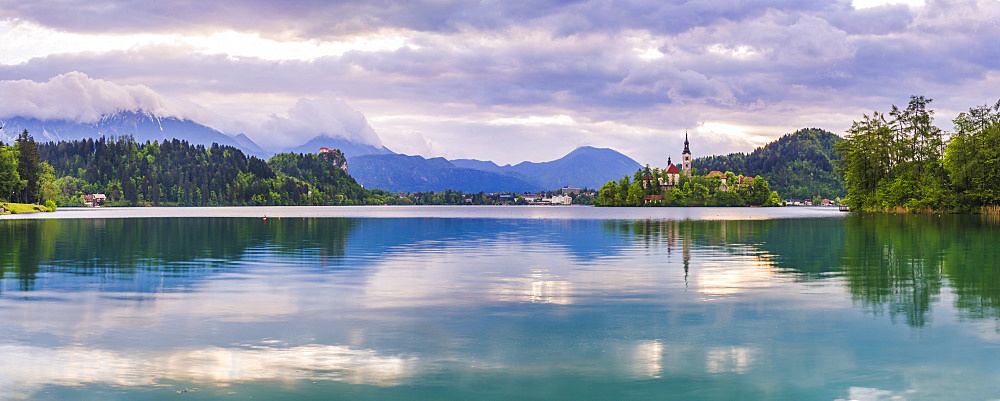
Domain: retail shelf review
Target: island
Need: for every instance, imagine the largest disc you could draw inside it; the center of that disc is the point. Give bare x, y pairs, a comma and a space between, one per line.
673, 186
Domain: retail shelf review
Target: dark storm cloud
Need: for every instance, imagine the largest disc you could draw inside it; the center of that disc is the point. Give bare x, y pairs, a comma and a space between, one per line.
806, 34
316, 18
795, 61
817, 47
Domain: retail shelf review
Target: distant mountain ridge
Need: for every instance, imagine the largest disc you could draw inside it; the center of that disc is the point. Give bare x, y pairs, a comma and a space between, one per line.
583, 167
145, 126
142, 126
349, 148
402, 173
248, 144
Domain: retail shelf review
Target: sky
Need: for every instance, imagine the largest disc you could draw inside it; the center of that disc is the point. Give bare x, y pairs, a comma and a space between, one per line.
501, 80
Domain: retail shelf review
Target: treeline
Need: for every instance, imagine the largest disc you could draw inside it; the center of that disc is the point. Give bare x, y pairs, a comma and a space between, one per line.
690, 190
798, 165
177, 173
21, 173
901, 162
451, 197
181, 174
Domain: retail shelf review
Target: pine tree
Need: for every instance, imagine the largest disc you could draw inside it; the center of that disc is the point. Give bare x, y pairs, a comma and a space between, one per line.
28, 166
10, 181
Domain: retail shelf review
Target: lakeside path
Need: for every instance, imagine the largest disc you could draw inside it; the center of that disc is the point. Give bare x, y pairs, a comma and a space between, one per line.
483, 212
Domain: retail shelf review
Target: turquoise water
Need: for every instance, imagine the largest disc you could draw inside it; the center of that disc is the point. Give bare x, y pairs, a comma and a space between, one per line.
499, 303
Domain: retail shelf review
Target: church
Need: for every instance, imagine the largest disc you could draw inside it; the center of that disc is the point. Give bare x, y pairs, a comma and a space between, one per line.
673, 174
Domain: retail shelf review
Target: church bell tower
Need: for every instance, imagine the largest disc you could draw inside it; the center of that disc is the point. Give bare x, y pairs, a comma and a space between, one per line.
686, 156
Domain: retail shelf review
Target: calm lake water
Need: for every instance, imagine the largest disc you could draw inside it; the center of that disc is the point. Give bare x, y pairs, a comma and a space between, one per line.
503, 303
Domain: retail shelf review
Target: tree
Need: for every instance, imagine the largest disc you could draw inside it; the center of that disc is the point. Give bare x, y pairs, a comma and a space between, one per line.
773, 200
972, 158
10, 180
635, 194
699, 193
607, 194
864, 159
895, 160
28, 167
47, 187
130, 192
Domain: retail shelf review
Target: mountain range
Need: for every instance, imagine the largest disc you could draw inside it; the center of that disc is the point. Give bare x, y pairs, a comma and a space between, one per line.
402, 173
143, 126
586, 167
372, 166
583, 167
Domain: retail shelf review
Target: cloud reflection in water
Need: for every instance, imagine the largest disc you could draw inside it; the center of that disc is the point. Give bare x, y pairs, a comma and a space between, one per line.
78, 365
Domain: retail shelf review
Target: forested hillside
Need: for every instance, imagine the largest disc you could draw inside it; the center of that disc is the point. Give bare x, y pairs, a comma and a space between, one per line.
179, 173
798, 165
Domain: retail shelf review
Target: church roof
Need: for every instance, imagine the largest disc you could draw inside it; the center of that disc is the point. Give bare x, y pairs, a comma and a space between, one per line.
673, 170
687, 148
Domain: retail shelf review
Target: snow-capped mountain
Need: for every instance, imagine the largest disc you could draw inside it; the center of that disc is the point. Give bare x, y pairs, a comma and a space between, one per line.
145, 126
142, 126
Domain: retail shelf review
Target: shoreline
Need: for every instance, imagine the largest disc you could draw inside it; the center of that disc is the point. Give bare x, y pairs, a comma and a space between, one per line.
500, 212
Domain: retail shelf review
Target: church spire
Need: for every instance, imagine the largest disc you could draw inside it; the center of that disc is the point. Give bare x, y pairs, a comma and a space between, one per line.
686, 156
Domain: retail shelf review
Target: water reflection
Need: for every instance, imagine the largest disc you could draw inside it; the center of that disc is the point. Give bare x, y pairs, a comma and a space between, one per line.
729, 359
538, 287
119, 251
509, 309
77, 365
893, 265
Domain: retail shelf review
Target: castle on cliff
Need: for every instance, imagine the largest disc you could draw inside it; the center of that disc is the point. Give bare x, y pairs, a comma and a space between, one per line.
339, 160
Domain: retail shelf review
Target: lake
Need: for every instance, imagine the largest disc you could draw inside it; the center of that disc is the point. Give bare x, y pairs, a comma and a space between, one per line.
501, 303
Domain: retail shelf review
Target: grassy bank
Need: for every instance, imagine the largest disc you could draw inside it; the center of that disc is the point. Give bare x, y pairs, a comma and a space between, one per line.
16, 208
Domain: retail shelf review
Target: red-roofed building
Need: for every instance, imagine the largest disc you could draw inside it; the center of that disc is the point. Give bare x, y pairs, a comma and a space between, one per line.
716, 173
673, 177
647, 181
94, 200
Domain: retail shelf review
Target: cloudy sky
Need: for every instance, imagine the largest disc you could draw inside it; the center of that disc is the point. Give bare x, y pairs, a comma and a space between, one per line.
497, 79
